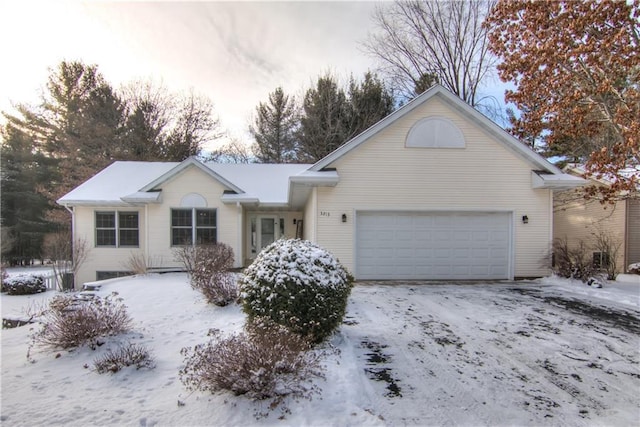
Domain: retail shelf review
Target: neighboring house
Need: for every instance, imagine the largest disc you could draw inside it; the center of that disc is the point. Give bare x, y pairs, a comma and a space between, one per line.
577, 219
434, 191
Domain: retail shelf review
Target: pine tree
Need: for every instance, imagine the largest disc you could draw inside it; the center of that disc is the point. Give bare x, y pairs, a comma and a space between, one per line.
274, 129
369, 102
22, 209
325, 119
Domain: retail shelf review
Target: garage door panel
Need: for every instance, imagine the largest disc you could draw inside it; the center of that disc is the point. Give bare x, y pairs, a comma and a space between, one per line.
429, 245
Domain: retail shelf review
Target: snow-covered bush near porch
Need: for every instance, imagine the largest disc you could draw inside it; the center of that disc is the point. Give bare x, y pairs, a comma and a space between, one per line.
23, 284
634, 268
299, 285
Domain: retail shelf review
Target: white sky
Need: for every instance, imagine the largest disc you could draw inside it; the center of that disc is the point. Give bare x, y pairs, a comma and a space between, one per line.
235, 53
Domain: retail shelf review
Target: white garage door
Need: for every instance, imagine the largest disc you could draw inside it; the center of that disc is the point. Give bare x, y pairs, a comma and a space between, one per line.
433, 245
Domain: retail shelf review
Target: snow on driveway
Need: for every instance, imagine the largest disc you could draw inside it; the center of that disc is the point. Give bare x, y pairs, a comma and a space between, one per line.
525, 353
498, 354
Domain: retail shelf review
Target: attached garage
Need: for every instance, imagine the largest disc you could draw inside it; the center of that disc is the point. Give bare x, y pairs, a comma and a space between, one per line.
433, 245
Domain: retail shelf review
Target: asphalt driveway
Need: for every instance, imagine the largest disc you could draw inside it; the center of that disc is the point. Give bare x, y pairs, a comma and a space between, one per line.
495, 354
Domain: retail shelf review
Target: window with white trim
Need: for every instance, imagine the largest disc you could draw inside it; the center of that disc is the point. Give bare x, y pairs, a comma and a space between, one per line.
117, 229
193, 225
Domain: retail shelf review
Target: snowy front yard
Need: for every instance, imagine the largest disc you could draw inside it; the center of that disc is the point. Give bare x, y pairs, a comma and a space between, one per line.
531, 353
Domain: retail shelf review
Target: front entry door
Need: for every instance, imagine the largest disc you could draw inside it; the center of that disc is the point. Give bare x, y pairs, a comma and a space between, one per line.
268, 231
265, 230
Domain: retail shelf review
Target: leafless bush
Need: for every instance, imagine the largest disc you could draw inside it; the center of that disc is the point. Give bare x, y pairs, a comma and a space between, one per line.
208, 267
130, 355
266, 361
69, 322
572, 262
137, 263
67, 255
606, 243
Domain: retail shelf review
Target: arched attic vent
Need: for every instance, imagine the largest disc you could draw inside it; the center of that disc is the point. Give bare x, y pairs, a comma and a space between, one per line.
193, 200
435, 132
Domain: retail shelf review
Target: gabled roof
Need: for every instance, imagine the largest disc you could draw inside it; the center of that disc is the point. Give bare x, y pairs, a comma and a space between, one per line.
508, 141
118, 180
125, 183
191, 161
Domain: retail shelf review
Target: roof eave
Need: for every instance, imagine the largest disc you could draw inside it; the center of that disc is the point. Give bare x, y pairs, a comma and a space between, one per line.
558, 182
100, 203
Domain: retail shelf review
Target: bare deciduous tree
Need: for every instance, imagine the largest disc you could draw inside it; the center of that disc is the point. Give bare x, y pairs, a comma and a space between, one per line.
232, 152
67, 255
421, 42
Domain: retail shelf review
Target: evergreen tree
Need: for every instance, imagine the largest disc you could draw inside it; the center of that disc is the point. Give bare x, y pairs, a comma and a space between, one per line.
274, 129
22, 209
325, 120
369, 102
78, 125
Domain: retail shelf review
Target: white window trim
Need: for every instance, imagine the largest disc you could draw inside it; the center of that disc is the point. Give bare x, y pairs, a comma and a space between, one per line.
194, 227
116, 213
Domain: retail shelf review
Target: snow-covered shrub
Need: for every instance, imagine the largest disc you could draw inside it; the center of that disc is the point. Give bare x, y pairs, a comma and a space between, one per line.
70, 322
130, 355
634, 268
266, 361
208, 267
299, 285
23, 284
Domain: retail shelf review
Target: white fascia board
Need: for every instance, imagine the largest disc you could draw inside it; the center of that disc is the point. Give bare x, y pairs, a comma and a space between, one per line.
115, 203
191, 161
323, 179
143, 197
562, 181
239, 198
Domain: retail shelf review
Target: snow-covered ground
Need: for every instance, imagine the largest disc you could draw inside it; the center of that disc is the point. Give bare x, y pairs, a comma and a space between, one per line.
547, 352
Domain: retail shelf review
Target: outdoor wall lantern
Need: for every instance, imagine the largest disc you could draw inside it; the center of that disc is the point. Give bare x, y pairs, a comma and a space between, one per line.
344, 217
525, 219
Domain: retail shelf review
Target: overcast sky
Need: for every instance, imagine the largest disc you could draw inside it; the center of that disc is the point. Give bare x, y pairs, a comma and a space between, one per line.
234, 53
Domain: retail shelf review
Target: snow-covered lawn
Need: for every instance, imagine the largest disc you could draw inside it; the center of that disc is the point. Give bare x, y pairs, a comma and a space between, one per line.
546, 352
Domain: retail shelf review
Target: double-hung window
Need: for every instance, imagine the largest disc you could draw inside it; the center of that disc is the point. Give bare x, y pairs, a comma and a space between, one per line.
117, 229
193, 225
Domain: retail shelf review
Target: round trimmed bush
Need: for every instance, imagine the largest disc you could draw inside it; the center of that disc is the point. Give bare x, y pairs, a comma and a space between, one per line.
297, 284
23, 284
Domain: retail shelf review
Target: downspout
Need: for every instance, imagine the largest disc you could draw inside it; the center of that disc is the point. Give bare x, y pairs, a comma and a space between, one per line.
73, 237
147, 250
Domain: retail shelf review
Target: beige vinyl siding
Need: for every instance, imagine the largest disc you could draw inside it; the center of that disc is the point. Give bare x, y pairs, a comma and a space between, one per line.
633, 231
310, 212
576, 220
156, 245
103, 258
191, 180
381, 174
